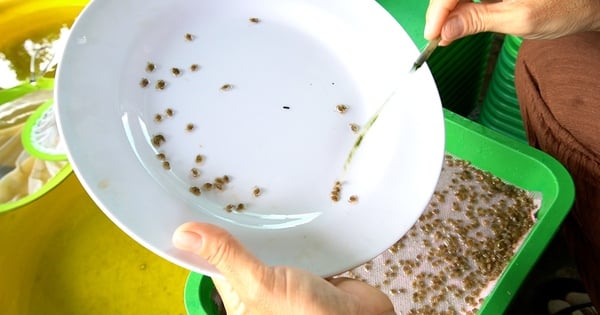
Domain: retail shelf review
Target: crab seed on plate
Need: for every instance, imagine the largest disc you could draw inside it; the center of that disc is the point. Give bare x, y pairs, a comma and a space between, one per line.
341, 108
158, 140
150, 67
160, 85
207, 186
195, 190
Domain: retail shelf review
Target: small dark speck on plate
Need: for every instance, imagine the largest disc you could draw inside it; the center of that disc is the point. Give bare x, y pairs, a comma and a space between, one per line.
286, 107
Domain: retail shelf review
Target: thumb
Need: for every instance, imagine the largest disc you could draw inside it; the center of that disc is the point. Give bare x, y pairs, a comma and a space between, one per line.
221, 249
470, 18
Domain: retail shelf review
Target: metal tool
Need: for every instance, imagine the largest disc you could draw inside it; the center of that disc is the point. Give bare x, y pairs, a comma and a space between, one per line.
425, 54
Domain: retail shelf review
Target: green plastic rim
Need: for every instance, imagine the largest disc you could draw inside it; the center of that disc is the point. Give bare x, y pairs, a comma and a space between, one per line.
28, 132
197, 295
53, 182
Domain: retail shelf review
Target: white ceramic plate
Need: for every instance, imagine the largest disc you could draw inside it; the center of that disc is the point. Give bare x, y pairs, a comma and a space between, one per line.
276, 128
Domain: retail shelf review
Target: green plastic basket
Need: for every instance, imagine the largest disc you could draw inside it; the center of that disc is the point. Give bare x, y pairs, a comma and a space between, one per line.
506, 158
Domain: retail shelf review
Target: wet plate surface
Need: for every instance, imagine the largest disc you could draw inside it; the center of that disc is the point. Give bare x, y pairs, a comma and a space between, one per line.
241, 114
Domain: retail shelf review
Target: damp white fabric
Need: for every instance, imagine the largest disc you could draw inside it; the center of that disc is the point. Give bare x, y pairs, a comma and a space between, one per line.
450, 259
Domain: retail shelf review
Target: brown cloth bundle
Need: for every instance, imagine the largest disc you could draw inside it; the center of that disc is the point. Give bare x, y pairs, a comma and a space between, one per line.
558, 87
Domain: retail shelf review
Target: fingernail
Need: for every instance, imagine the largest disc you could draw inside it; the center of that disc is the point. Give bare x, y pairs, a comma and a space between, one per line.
187, 240
427, 31
453, 28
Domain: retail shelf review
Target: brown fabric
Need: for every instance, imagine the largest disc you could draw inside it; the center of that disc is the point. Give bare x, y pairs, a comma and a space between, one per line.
558, 87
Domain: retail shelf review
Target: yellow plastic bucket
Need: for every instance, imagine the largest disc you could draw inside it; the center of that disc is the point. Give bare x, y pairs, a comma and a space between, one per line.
60, 253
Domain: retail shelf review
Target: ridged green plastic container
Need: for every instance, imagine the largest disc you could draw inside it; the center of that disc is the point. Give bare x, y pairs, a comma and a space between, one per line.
500, 108
506, 158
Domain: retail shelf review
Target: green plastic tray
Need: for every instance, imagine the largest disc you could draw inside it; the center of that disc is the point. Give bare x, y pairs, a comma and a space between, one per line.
506, 158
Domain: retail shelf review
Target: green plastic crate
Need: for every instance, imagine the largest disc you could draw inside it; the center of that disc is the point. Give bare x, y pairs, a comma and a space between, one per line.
506, 158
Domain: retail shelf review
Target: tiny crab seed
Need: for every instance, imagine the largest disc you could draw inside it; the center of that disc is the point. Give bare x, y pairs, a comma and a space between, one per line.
189, 127
341, 108
169, 112
144, 82
240, 207
256, 191
226, 178
194, 67
158, 118
189, 37
353, 199
207, 186
161, 156
166, 165
254, 20
354, 127
229, 207
176, 71
199, 158
150, 67
195, 172
160, 85
226, 87
158, 140
195, 190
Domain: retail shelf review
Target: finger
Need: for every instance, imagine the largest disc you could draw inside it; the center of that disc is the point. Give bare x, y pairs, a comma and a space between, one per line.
229, 297
373, 300
472, 18
242, 270
436, 16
